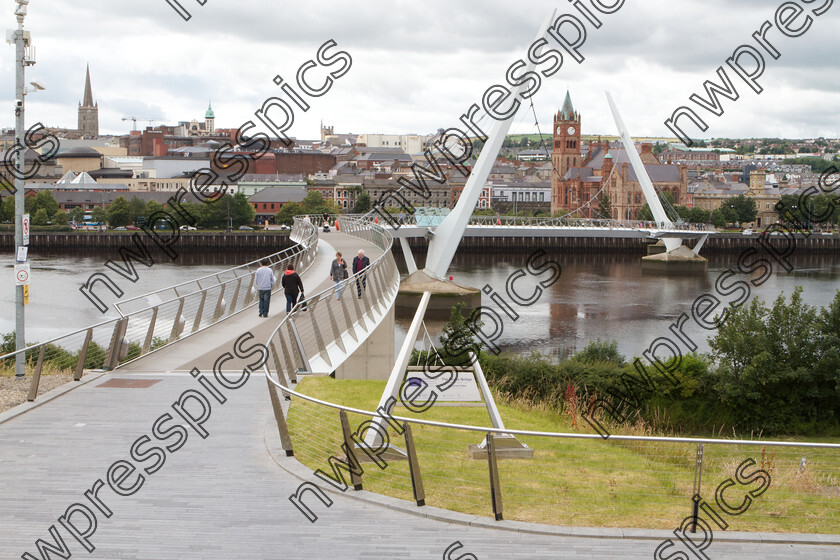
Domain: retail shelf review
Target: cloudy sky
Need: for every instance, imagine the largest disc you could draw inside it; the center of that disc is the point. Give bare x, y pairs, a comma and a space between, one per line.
418, 65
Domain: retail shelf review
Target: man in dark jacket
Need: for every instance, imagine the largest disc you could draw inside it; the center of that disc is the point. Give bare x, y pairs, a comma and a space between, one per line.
292, 286
360, 263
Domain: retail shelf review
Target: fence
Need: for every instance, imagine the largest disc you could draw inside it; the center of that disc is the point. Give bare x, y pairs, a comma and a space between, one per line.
530, 222
323, 330
152, 321
577, 479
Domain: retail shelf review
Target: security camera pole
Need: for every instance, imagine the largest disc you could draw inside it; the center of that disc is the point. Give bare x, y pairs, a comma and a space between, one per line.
21, 40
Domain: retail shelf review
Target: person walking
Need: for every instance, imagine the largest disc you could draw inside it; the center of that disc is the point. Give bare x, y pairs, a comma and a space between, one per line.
338, 273
360, 263
264, 281
292, 286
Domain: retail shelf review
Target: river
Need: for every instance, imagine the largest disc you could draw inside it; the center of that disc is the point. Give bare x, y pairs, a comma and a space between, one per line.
599, 295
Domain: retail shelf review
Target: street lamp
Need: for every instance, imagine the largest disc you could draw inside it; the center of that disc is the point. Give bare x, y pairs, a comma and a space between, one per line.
21, 40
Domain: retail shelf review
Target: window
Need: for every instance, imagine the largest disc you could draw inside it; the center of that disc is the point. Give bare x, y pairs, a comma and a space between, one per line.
638, 199
766, 205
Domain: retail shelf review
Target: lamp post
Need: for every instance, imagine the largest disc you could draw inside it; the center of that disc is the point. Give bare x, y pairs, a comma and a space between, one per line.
21, 40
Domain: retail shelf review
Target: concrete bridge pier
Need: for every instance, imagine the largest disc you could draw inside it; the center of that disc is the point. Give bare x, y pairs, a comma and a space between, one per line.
680, 260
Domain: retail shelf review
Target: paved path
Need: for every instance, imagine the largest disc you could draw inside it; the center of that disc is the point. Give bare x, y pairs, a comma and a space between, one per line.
224, 497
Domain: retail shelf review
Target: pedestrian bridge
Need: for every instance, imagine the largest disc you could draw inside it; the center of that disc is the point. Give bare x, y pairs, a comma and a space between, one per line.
514, 226
160, 341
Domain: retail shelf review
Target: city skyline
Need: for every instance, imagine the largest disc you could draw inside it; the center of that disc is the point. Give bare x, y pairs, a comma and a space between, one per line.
415, 71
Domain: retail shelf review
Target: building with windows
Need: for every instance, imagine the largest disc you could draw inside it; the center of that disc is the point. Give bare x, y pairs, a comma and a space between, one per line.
580, 180
269, 201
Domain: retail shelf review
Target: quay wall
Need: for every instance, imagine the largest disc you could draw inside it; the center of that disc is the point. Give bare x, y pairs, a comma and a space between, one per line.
109, 241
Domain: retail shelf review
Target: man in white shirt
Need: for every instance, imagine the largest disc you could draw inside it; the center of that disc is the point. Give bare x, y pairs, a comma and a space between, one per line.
264, 281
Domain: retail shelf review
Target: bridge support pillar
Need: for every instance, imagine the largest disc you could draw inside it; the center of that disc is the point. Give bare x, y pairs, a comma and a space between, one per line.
375, 358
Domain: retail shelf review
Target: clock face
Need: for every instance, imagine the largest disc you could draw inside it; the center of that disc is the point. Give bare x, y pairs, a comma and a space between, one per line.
571, 130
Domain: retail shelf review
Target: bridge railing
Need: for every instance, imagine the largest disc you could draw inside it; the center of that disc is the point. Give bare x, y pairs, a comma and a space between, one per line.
573, 478
531, 222
323, 328
159, 318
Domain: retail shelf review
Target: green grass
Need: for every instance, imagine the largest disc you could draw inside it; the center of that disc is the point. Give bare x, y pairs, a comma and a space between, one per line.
571, 481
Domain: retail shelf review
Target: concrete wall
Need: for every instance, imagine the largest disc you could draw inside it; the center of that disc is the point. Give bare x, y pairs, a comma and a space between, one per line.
375, 357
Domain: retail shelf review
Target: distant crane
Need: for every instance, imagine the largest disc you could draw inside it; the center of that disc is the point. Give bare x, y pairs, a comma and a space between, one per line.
135, 119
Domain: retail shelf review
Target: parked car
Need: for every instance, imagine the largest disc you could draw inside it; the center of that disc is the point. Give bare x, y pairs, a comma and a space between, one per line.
133, 228
120, 228
284, 227
187, 228
747, 232
246, 228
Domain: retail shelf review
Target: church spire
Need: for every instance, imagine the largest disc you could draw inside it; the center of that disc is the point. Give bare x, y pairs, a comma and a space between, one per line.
568, 111
88, 102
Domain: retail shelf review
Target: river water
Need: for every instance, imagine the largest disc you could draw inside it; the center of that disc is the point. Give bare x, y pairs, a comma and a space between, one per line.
601, 295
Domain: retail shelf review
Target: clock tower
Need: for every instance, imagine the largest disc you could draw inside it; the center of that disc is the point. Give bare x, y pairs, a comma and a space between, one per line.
565, 154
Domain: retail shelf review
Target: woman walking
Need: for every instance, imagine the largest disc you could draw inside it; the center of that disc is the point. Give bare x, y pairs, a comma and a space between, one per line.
338, 273
292, 286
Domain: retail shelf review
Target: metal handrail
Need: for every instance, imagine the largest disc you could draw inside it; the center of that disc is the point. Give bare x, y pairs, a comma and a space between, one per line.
350, 279
513, 221
350, 226
305, 232
485, 429
117, 305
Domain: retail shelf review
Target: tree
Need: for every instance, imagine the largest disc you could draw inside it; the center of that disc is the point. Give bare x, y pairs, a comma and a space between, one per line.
241, 211
136, 208
99, 215
363, 203
60, 218
745, 209
287, 213
40, 218
605, 206
313, 203
697, 215
119, 213
45, 200
719, 218
77, 215
7, 209
645, 213
153, 206
778, 365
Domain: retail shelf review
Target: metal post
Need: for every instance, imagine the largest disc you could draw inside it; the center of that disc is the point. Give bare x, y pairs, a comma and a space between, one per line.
695, 496
20, 52
36, 375
280, 418
495, 487
414, 467
349, 450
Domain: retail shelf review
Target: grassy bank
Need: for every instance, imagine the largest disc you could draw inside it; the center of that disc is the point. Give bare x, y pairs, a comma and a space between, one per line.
604, 483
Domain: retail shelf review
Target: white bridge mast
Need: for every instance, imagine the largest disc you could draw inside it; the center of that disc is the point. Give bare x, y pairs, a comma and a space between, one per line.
447, 237
653, 201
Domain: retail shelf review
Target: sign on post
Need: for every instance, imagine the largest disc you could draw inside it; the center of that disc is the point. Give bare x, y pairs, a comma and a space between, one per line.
25, 227
22, 274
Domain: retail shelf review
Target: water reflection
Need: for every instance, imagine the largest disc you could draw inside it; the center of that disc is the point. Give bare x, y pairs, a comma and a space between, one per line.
607, 296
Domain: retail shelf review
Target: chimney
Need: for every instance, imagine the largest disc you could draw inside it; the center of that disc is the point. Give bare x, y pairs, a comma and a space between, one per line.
647, 148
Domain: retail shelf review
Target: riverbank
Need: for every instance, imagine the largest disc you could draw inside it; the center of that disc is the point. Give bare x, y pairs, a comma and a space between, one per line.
271, 241
278, 240
720, 243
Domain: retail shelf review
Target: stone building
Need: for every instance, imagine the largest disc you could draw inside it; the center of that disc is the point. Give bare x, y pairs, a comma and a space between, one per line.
578, 180
88, 112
